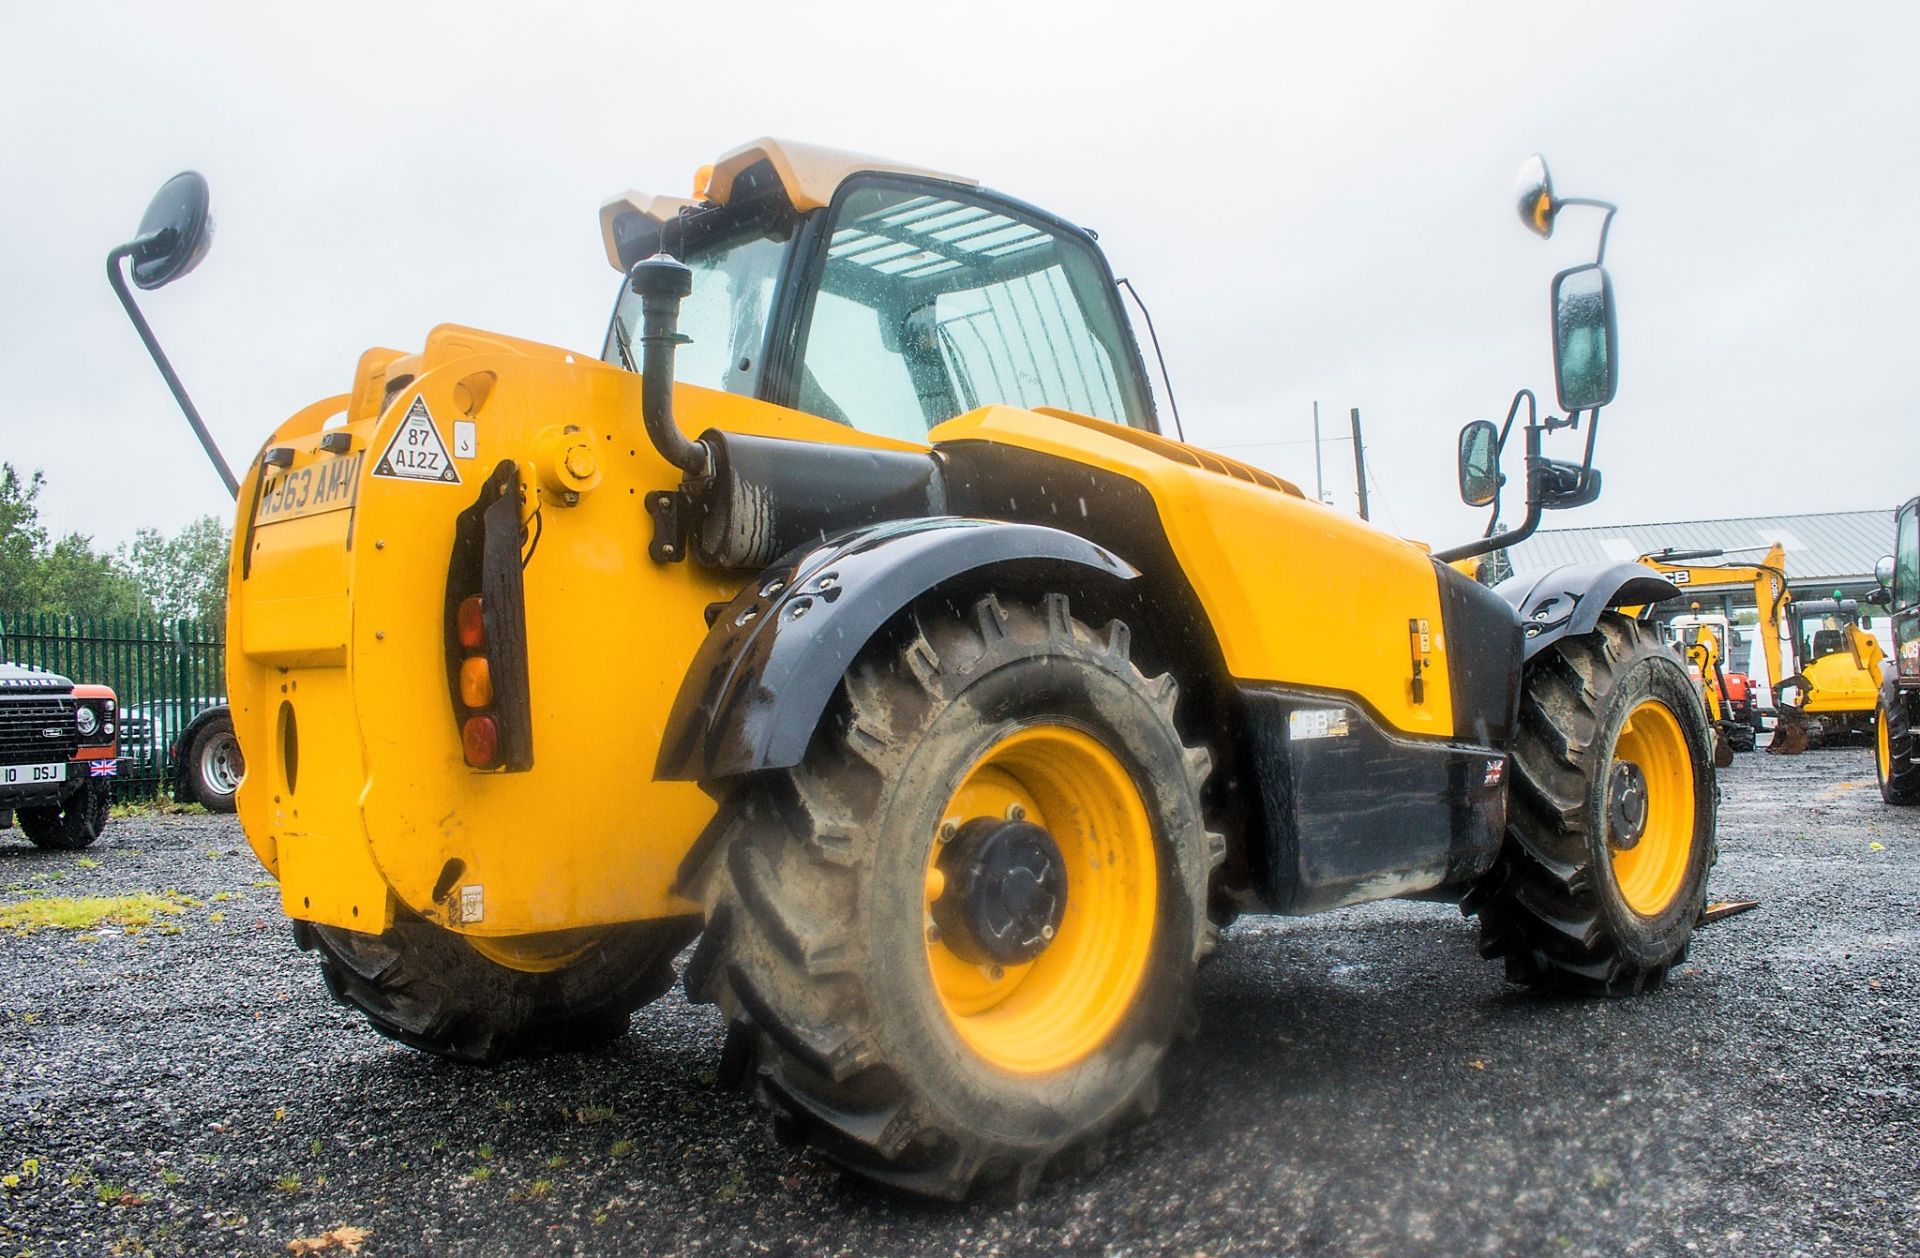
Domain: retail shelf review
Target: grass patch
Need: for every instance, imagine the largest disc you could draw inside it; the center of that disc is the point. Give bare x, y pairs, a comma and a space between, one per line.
87, 912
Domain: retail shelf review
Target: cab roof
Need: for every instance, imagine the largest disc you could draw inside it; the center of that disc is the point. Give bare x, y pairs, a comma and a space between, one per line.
808, 173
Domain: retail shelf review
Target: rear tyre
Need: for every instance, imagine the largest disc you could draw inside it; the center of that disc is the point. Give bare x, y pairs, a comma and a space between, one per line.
213, 766
428, 988
72, 825
856, 943
1893, 760
1610, 818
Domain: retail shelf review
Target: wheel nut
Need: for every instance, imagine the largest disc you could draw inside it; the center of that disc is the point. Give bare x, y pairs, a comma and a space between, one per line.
996, 973
947, 831
1016, 812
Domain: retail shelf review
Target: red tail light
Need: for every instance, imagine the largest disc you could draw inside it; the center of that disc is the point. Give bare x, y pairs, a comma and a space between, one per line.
468, 624
480, 740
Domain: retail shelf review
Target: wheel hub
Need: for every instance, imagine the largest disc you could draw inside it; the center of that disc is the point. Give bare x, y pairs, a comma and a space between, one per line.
1006, 890
1626, 805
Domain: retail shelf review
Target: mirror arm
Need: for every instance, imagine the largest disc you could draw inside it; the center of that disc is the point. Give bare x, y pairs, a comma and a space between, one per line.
1605, 225
1536, 471
119, 283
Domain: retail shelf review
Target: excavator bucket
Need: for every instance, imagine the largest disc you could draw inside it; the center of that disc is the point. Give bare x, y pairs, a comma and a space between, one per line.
1789, 733
1722, 748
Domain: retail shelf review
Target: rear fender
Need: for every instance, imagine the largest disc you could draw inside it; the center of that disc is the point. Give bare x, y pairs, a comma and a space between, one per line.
776, 653
1566, 602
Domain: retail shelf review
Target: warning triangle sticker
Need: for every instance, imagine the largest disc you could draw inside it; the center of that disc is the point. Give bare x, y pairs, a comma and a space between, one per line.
416, 451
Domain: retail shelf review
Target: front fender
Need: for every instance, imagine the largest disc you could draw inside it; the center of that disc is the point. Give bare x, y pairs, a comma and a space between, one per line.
1567, 601
767, 668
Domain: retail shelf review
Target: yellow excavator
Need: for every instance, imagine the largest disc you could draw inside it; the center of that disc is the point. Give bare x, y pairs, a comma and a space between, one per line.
1835, 675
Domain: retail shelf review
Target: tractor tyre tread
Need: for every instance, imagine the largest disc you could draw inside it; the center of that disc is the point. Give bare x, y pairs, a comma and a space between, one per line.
1550, 907
786, 959
425, 987
1901, 785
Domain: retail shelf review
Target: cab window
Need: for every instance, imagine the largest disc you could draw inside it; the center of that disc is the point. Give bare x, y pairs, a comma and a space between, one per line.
1906, 558
930, 304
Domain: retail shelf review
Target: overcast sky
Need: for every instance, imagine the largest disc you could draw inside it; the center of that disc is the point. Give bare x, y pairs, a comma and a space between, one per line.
1315, 200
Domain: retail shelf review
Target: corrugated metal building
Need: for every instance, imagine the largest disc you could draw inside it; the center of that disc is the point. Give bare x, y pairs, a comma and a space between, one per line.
1825, 553
1835, 549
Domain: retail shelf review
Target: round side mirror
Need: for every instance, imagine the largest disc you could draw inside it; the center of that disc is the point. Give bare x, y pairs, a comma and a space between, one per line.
1479, 463
175, 232
1883, 571
1533, 190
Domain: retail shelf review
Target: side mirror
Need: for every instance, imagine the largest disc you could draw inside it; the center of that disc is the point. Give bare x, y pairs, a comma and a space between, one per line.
175, 232
1479, 463
1883, 571
1533, 189
1586, 369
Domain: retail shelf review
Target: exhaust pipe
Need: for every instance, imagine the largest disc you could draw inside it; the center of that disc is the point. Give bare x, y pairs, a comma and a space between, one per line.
662, 283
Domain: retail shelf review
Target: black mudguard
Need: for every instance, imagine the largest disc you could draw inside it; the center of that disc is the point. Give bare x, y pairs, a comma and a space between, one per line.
764, 674
1567, 601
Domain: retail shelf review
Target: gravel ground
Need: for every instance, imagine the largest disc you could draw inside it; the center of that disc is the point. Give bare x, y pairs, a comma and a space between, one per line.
1362, 1084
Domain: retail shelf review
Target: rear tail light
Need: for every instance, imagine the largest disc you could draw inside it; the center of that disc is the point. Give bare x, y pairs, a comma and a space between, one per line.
476, 681
472, 629
480, 741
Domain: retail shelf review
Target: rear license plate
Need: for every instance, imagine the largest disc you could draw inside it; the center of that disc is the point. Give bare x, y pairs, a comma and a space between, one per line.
329, 484
29, 774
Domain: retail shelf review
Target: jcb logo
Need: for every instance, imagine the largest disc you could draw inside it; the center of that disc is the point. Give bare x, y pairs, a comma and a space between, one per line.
1678, 578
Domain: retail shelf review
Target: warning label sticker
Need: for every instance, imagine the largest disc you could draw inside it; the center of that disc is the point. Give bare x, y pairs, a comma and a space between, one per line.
416, 451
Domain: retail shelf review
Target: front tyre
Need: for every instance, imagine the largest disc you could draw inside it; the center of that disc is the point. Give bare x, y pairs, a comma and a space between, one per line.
72, 825
960, 936
1610, 818
1893, 761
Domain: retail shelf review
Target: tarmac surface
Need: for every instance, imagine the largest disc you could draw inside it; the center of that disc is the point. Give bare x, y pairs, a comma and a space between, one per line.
1362, 1084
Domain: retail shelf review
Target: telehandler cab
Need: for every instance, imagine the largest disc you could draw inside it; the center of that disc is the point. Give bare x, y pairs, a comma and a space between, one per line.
1897, 707
853, 615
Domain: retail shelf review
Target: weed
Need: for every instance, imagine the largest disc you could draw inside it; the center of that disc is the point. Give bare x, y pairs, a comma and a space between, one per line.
170, 1177
590, 1115
280, 1114
219, 897
539, 1188
314, 1146
87, 862
484, 1153
86, 912
481, 1174
288, 1183
620, 1148
555, 1162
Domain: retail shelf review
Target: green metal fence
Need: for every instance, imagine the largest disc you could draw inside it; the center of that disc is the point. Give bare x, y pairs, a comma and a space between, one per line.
165, 672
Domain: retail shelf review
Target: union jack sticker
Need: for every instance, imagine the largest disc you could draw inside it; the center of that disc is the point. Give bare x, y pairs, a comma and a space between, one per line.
1496, 769
103, 768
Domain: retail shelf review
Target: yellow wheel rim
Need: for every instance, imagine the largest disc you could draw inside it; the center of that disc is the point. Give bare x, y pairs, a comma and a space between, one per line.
534, 954
1651, 872
1882, 748
1060, 1007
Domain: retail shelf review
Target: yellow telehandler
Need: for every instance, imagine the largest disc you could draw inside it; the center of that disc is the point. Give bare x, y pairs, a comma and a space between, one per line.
851, 612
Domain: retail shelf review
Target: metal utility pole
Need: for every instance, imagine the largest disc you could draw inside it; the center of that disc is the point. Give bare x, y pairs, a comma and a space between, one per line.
1359, 462
1319, 483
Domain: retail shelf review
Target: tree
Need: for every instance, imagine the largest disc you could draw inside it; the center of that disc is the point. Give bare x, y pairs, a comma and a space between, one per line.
178, 577
22, 539
183, 576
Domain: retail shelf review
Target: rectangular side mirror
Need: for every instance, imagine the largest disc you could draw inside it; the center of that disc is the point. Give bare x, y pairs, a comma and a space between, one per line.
1586, 366
1479, 463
